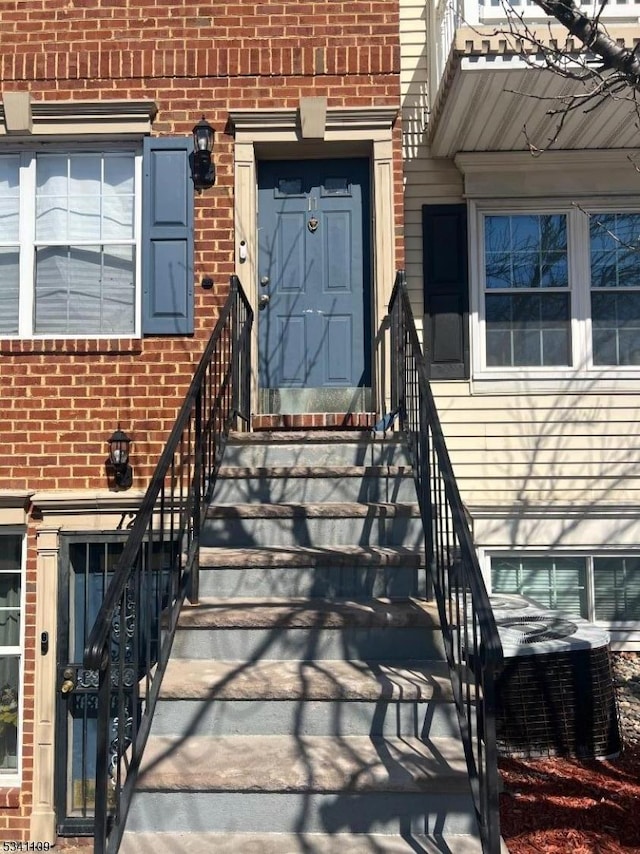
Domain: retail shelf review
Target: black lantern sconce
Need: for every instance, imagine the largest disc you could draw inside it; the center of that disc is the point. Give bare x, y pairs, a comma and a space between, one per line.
119, 459
204, 173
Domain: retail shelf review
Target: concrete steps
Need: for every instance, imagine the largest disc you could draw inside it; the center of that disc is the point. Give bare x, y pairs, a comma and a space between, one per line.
306, 697
296, 843
307, 705
359, 572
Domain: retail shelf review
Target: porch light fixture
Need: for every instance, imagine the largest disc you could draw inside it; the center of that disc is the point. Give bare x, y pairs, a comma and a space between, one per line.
204, 173
119, 459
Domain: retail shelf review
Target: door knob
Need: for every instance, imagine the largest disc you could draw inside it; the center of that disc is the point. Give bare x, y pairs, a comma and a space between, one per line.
263, 301
67, 686
264, 281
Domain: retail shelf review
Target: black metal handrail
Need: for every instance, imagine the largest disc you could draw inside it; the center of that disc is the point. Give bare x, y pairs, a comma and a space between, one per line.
472, 644
130, 641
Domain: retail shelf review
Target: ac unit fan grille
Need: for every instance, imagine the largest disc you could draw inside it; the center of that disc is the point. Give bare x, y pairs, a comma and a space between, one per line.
560, 704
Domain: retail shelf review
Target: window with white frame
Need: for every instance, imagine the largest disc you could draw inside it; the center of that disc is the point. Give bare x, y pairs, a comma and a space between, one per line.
68, 242
10, 650
559, 288
605, 588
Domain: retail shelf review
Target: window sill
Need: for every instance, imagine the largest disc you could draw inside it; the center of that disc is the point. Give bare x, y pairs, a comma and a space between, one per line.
559, 381
86, 346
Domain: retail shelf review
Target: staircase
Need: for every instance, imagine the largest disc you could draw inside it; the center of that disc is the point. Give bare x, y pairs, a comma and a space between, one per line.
306, 706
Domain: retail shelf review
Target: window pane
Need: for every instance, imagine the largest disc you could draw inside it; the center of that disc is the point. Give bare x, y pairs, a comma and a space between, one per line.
9, 290
10, 590
555, 583
617, 588
85, 177
52, 175
84, 218
615, 265
616, 327
10, 626
10, 551
528, 253
118, 175
85, 197
9, 709
528, 329
9, 197
85, 290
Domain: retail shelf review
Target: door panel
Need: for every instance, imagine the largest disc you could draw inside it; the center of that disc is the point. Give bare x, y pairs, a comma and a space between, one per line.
314, 285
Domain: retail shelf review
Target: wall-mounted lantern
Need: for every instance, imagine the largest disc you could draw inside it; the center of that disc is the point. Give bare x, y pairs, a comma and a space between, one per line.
119, 459
204, 173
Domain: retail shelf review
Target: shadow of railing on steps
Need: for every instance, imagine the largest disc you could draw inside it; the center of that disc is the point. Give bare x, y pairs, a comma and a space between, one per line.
130, 641
472, 644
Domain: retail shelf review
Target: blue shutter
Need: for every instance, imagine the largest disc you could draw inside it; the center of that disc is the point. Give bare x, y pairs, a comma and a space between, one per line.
446, 291
167, 237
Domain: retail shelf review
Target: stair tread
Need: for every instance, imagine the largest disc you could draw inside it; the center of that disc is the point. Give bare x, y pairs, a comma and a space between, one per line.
310, 510
200, 679
311, 556
313, 437
282, 471
290, 763
296, 843
212, 612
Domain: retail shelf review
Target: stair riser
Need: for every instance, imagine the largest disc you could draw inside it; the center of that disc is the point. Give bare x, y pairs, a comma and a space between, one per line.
310, 717
314, 531
377, 812
321, 454
302, 644
313, 489
362, 582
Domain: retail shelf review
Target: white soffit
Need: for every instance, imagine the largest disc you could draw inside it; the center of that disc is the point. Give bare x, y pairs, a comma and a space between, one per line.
501, 104
79, 118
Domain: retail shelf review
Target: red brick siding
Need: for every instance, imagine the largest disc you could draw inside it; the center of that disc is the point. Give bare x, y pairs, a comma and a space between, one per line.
62, 399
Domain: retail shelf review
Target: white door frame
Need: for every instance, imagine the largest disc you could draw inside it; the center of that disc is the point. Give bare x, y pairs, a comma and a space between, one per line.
347, 132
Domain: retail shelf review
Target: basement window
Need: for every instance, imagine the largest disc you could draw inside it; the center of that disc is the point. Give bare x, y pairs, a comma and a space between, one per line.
600, 588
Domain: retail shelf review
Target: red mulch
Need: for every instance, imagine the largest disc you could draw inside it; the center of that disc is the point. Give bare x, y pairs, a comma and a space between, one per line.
583, 806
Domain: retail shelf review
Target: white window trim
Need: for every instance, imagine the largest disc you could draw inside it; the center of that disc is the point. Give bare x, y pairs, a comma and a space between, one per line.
14, 778
27, 235
620, 626
582, 375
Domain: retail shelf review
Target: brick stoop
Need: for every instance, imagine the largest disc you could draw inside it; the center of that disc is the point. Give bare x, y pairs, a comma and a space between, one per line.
315, 420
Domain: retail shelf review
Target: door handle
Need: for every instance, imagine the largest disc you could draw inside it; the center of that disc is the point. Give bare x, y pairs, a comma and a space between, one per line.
264, 281
263, 302
68, 680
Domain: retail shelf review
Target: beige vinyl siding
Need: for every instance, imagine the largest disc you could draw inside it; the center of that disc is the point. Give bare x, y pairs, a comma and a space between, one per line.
426, 180
545, 449
528, 450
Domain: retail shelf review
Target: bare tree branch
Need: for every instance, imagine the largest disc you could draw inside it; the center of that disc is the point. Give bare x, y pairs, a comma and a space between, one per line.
593, 36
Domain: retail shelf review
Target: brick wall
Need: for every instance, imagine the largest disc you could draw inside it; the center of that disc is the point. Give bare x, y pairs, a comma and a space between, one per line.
62, 399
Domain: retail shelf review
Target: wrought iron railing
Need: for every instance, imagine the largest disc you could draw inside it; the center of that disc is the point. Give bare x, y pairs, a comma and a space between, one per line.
130, 641
472, 644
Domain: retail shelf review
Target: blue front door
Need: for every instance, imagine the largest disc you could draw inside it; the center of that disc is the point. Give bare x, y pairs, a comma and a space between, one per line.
314, 285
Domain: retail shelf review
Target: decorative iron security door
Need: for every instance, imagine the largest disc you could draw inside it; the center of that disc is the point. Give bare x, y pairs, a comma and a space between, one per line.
87, 564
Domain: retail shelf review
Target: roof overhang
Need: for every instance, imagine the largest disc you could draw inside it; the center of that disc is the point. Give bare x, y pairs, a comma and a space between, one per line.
494, 98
